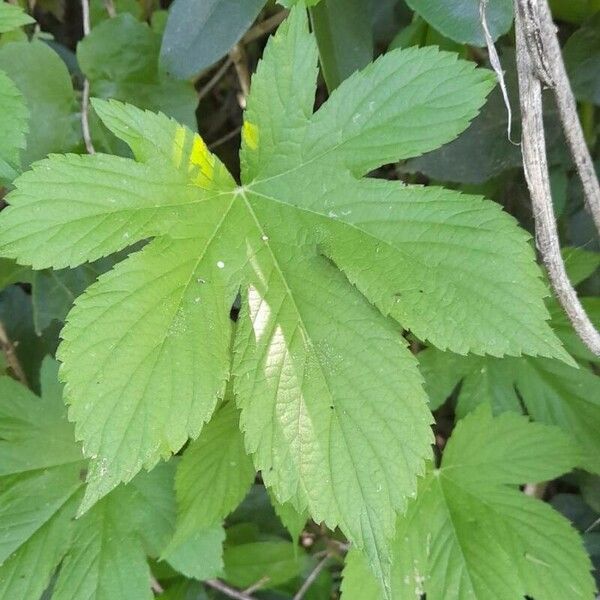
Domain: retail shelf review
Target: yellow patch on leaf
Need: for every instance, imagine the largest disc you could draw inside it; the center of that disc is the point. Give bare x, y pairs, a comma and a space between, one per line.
250, 135
198, 159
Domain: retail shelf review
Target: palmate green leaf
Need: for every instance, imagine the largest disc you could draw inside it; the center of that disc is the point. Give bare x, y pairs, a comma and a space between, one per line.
551, 392
13, 125
471, 534
327, 389
42, 472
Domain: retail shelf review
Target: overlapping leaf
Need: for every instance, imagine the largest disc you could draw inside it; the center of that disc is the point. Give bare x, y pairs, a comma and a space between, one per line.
331, 401
471, 534
42, 472
12, 17
212, 479
550, 391
45, 84
120, 58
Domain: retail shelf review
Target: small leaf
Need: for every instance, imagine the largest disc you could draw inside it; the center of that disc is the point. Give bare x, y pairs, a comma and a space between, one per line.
11, 272
13, 124
199, 32
459, 20
107, 560
552, 392
344, 38
198, 555
275, 561
44, 81
580, 264
120, 58
518, 451
292, 520
12, 17
41, 479
212, 479
39, 483
582, 60
470, 534
53, 292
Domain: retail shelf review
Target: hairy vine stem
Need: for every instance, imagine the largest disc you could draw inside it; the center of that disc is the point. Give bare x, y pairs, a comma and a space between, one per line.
544, 47
536, 65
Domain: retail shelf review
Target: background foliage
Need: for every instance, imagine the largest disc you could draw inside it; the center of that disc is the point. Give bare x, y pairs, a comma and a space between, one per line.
205, 516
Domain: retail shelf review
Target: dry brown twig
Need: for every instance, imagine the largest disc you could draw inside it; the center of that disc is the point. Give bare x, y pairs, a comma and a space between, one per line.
311, 578
536, 490
155, 585
219, 73
264, 27
110, 8
238, 55
217, 584
225, 138
537, 64
255, 32
256, 586
12, 360
239, 58
85, 96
